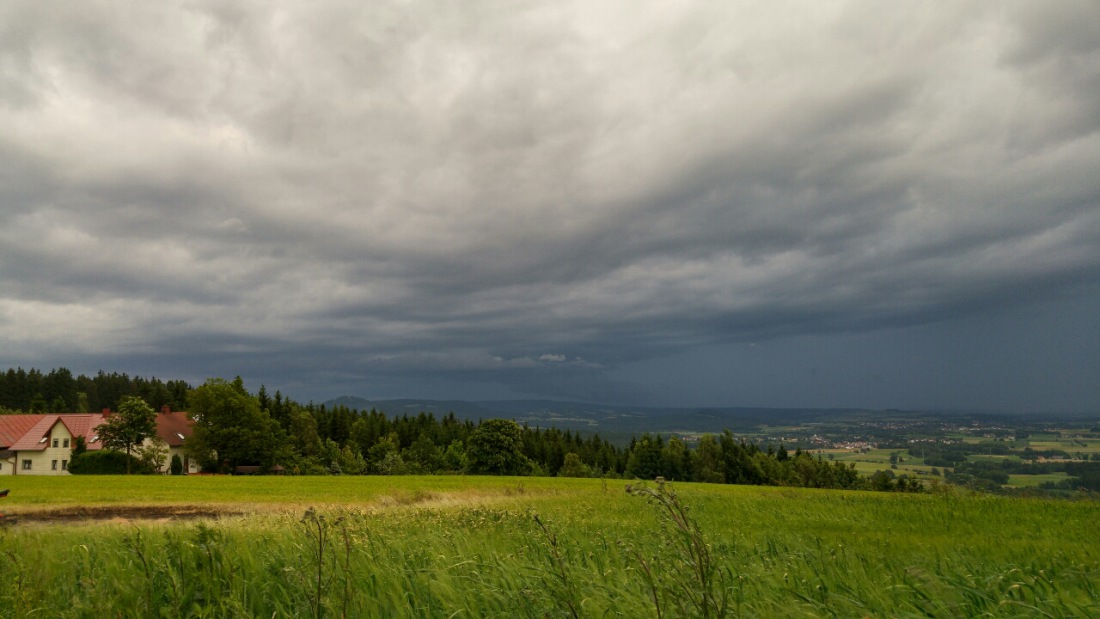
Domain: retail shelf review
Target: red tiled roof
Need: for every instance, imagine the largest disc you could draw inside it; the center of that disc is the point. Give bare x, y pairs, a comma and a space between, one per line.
78, 424
173, 427
32, 440
25, 432
82, 425
13, 427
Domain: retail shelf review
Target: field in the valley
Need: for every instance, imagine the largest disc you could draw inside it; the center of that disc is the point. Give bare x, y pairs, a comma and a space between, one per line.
484, 547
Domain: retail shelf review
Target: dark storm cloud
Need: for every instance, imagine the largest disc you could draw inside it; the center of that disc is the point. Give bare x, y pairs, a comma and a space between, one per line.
526, 198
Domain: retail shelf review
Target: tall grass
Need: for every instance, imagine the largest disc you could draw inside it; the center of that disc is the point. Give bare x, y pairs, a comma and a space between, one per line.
735, 551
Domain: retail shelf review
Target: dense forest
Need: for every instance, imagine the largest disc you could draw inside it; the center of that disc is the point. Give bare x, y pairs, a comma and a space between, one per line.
31, 391
234, 427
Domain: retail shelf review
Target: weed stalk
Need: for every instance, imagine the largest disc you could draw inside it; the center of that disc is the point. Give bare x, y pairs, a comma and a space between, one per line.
698, 587
558, 561
318, 528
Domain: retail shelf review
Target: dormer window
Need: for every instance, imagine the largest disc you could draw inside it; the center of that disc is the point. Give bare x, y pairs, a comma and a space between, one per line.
182, 437
95, 439
44, 439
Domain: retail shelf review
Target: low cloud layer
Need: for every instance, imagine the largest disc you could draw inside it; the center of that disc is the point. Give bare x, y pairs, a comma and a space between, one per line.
529, 198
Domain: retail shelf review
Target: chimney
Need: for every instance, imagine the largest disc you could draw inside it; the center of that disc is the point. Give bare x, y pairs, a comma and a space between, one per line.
106, 413
166, 409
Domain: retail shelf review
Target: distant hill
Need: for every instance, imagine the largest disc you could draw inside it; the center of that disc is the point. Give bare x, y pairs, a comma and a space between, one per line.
605, 419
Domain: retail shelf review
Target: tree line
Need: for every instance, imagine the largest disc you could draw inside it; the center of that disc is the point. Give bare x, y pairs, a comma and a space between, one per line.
235, 428
58, 391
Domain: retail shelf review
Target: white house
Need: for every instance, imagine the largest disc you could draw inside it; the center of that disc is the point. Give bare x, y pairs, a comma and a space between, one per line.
41, 444
173, 427
45, 448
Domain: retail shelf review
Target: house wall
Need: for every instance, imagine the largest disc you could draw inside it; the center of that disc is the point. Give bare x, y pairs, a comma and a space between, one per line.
43, 462
189, 465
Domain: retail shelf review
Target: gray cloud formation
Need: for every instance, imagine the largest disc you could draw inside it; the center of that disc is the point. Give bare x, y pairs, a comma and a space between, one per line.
531, 194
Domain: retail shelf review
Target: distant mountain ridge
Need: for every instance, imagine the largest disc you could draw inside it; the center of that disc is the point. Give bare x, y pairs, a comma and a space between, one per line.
600, 418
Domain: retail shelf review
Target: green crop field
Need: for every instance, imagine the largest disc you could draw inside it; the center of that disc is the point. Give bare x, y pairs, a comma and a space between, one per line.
531, 547
867, 463
877, 458
1031, 481
993, 459
1070, 445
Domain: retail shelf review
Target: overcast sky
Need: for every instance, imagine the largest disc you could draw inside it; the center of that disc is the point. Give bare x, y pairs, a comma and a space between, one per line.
820, 204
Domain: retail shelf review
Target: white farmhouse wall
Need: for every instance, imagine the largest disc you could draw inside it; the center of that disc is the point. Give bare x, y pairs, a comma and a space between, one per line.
189, 465
51, 460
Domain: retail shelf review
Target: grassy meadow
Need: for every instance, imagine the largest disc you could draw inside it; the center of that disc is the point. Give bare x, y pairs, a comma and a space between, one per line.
538, 547
868, 462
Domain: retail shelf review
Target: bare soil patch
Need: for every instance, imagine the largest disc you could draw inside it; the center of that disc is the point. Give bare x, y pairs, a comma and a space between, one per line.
121, 513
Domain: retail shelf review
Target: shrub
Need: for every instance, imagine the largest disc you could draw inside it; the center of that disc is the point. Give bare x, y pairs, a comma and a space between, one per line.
573, 467
105, 462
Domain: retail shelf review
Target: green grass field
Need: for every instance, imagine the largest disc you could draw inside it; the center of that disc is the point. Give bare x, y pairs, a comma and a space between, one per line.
1069, 445
1033, 481
993, 459
472, 547
869, 462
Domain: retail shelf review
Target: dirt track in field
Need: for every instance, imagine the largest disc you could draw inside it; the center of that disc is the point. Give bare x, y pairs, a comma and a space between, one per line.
120, 513
125, 513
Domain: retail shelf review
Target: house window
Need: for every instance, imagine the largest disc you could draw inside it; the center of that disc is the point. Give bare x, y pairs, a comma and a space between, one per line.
64, 465
65, 444
26, 465
53, 466
55, 442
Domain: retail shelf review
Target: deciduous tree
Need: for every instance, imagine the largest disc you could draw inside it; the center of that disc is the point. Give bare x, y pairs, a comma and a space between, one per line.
231, 429
134, 422
496, 448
